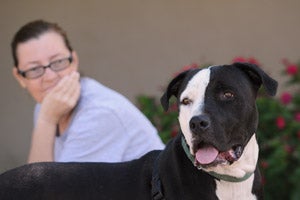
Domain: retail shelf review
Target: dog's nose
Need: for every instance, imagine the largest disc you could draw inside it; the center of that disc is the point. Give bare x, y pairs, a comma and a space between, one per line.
199, 123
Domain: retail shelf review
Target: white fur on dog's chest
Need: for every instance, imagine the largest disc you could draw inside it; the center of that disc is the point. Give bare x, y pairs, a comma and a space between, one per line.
235, 191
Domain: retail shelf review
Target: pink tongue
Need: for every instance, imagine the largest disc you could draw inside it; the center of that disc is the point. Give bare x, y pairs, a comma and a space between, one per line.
206, 155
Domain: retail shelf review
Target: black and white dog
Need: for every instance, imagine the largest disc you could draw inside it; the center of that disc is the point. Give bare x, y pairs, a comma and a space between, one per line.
215, 157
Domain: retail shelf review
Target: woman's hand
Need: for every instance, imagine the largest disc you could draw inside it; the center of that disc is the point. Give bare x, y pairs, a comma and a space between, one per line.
61, 99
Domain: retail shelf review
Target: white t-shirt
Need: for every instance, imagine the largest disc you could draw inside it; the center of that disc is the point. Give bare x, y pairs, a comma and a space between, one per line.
105, 127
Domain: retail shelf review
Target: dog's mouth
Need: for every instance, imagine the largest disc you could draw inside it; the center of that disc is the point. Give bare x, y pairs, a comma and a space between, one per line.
208, 156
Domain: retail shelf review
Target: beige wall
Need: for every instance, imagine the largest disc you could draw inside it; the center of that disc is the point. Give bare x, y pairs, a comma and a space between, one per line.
134, 46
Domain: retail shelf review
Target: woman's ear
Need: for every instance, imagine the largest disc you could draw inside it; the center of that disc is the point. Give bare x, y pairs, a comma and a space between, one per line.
18, 77
75, 61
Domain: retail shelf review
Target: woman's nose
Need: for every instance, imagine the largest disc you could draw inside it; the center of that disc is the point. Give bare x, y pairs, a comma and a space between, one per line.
49, 74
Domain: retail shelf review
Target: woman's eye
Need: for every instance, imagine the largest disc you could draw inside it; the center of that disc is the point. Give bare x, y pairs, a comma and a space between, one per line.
186, 101
36, 69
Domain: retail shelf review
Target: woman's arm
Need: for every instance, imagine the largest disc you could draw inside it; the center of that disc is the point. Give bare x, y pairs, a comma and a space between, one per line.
42, 142
57, 105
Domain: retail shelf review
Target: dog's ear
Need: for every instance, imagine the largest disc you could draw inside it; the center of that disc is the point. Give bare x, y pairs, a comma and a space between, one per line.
173, 89
259, 77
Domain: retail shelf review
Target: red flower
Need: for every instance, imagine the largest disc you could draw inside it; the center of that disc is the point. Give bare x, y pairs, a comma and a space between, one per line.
173, 107
291, 68
264, 164
286, 98
174, 132
288, 148
187, 67
239, 59
191, 66
280, 122
251, 60
297, 116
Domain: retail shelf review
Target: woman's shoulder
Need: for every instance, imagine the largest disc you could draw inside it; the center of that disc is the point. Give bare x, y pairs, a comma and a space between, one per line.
90, 86
96, 93
89, 83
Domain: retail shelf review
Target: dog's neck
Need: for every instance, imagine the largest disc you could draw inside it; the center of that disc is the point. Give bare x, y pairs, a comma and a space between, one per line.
239, 171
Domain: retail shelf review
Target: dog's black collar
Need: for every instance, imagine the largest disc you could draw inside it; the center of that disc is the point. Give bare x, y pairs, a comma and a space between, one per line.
216, 175
156, 190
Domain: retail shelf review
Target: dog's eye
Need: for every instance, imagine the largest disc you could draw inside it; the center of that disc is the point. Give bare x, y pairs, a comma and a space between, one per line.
186, 101
227, 96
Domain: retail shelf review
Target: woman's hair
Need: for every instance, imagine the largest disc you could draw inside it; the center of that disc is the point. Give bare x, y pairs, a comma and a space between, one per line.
35, 29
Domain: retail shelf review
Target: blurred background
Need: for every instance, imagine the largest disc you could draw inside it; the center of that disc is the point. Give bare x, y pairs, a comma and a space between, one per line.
135, 46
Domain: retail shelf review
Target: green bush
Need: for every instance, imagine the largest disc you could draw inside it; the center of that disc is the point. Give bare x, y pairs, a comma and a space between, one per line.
278, 132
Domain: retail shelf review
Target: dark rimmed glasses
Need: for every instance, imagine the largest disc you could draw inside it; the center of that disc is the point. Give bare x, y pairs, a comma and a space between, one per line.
36, 72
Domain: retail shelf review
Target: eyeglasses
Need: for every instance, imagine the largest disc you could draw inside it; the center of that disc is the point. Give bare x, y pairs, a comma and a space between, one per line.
57, 65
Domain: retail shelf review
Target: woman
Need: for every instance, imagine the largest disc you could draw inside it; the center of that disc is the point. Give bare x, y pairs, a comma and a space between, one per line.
76, 119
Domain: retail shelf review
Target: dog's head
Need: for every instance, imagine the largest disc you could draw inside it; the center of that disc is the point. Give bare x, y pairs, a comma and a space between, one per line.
217, 110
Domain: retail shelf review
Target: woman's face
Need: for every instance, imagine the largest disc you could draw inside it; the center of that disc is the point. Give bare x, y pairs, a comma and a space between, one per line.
41, 51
